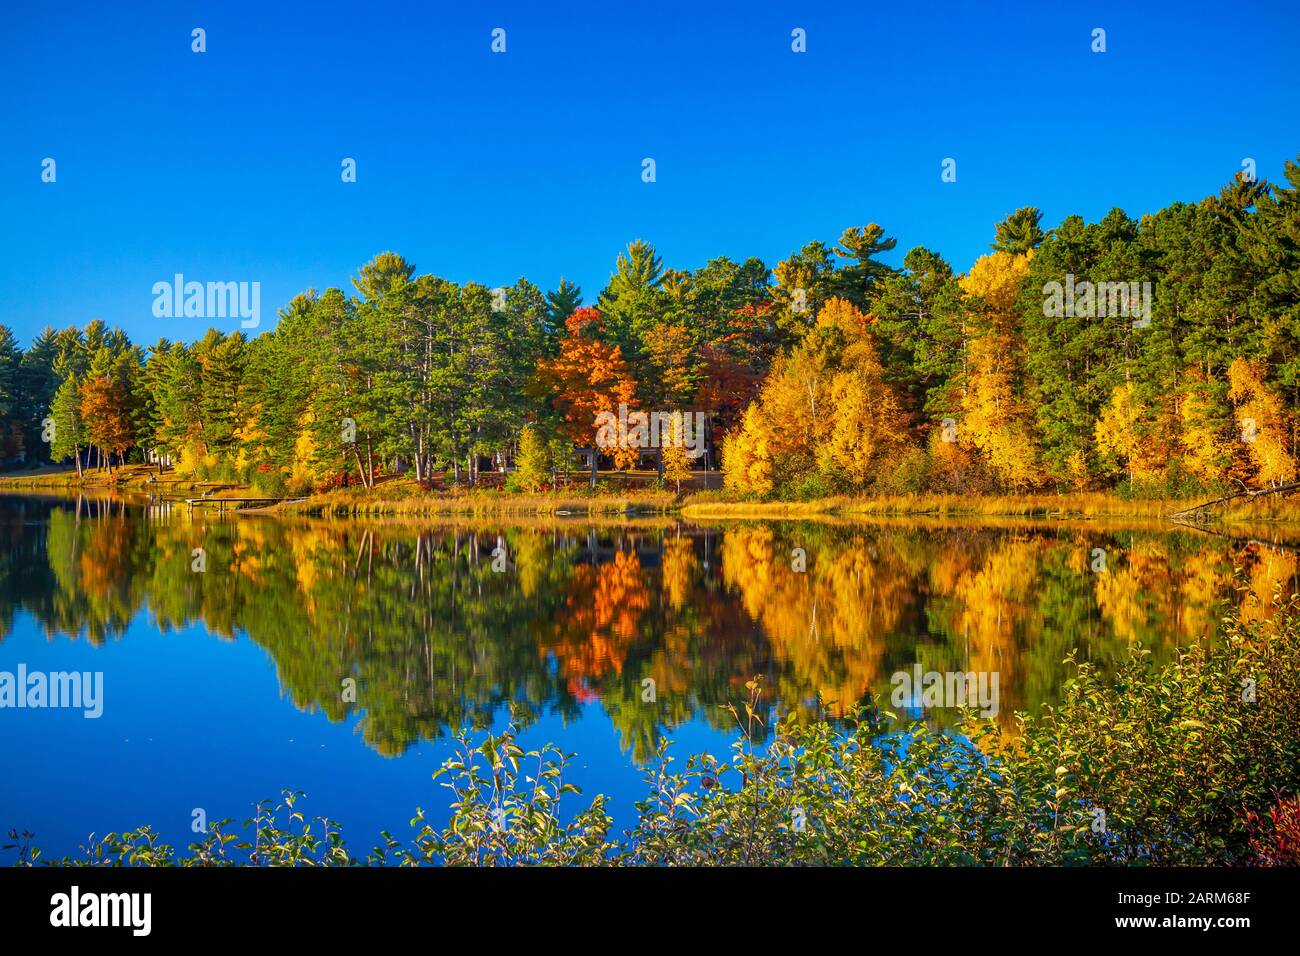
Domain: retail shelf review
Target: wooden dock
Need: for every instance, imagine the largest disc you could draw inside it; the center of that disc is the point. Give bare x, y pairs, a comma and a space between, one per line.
232, 503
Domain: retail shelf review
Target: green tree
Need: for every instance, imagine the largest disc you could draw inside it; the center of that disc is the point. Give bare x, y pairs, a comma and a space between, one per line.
561, 302
1020, 232
65, 412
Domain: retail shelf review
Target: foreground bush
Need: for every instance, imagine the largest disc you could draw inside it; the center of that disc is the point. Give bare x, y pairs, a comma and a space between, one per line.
1193, 763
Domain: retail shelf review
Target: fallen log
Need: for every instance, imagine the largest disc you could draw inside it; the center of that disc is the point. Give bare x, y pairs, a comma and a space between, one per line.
1240, 540
1244, 493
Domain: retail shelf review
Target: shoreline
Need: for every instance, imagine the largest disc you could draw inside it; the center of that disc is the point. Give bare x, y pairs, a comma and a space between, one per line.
403, 498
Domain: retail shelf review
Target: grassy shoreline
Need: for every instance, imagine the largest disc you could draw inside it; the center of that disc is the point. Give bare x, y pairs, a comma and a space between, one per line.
1070, 505
402, 497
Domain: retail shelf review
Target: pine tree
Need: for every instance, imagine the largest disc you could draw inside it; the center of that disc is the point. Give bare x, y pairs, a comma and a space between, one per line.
860, 245
633, 301
1020, 234
562, 302
65, 415
36, 386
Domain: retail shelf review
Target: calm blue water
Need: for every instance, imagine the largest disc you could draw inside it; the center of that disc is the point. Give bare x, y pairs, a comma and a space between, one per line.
194, 721
222, 688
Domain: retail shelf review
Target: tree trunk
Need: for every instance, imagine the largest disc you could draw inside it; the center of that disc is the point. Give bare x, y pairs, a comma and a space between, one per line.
361, 468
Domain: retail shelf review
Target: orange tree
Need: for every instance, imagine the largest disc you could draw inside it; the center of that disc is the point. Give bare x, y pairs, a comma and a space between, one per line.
586, 378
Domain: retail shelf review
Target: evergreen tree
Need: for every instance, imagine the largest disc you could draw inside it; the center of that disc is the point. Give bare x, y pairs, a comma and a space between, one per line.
561, 302
65, 412
1020, 232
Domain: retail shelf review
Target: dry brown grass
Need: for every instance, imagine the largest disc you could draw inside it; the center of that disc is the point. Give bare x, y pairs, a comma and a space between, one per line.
1079, 505
405, 497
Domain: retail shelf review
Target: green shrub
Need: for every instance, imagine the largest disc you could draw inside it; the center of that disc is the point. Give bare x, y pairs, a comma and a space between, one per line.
807, 487
911, 473
1175, 483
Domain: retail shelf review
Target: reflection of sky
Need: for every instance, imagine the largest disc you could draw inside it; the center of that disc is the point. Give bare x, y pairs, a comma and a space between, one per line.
190, 721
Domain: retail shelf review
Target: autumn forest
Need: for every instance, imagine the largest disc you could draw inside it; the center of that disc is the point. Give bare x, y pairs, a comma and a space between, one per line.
831, 373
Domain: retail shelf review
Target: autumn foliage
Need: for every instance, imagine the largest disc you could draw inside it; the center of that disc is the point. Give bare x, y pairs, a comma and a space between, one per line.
825, 408
588, 377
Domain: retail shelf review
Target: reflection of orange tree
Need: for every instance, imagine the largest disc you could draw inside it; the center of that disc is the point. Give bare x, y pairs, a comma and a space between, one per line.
92, 559
695, 643
105, 571
599, 621
601, 640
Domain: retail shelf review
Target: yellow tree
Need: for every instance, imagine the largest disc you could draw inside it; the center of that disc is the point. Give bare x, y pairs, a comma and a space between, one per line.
996, 420
1263, 424
780, 430
677, 466
796, 401
1206, 452
867, 421
532, 463
746, 455
824, 406
1122, 432
305, 473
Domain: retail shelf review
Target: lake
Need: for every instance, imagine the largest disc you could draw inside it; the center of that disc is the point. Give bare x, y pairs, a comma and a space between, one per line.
244, 655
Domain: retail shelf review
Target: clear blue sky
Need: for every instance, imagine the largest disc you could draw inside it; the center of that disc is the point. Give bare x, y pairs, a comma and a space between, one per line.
225, 166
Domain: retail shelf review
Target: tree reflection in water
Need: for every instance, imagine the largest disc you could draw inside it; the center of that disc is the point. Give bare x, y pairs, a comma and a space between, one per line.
659, 621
